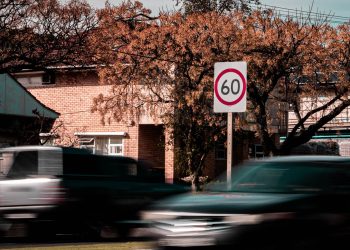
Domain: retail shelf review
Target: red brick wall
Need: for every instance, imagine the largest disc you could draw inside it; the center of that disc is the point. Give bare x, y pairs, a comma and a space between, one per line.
72, 96
151, 144
169, 158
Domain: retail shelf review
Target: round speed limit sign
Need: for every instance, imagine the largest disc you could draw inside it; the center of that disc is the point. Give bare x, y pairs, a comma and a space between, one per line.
230, 87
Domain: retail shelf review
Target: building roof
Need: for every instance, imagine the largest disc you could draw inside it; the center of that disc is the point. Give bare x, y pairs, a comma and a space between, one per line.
17, 100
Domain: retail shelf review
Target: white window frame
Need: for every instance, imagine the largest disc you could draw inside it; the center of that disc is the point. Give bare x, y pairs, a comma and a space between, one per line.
88, 140
116, 145
108, 135
33, 79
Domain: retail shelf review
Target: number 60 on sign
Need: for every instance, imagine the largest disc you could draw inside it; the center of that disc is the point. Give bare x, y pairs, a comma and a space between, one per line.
230, 87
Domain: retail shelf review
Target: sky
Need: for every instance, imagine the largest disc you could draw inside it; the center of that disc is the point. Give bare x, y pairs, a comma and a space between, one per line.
339, 9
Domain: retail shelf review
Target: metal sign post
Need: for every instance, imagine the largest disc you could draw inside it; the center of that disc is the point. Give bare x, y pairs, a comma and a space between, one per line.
230, 126
230, 96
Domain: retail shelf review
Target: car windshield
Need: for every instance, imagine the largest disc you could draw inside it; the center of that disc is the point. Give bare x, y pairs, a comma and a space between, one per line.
288, 177
18, 164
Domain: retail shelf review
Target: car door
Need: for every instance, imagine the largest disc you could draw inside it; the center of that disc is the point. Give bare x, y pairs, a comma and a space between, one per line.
21, 184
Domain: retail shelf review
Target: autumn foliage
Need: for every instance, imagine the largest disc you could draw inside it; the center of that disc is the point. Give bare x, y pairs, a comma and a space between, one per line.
164, 67
42, 33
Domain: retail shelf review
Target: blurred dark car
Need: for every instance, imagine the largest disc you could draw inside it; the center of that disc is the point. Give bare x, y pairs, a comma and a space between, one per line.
69, 190
294, 202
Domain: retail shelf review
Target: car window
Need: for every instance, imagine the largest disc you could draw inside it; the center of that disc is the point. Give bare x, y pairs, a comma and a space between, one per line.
98, 165
6, 161
49, 162
24, 164
79, 164
290, 177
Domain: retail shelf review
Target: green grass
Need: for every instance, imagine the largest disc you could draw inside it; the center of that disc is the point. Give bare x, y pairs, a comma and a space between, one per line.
86, 246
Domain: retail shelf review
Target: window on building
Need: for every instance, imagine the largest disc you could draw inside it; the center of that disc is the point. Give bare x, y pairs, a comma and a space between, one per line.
103, 145
31, 79
256, 151
47, 139
115, 146
220, 151
87, 143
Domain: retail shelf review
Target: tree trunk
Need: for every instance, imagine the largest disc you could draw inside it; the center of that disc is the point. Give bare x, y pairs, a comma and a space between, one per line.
195, 182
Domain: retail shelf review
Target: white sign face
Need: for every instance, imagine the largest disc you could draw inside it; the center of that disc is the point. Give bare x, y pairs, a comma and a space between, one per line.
230, 87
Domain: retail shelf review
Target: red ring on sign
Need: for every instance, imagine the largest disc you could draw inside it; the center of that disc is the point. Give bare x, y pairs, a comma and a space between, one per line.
217, 83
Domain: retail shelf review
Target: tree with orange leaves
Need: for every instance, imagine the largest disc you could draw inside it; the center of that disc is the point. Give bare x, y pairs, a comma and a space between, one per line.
294, 66
164, 67
41, 33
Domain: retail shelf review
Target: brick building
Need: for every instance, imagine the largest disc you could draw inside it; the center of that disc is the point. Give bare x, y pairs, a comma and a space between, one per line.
336, 131
71, 94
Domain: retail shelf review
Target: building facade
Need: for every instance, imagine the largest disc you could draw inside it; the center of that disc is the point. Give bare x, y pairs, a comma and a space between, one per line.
337, 131
71, 93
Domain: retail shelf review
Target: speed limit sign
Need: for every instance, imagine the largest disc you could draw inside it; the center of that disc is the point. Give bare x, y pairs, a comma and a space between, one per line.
230, 87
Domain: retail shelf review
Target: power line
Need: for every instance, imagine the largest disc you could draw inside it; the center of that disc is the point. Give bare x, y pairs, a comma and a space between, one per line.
300, 11
305, 15
311, 18
294, 13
